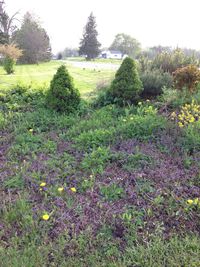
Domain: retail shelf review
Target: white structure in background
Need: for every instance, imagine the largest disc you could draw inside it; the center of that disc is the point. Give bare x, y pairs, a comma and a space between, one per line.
111, 54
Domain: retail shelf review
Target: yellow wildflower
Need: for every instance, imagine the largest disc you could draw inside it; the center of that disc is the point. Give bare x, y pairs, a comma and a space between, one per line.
124, 119
192, 119
180, 124
42, 184
190, 201
45, 217
30, 130
139, 103
196, 200
60, 189
73, 189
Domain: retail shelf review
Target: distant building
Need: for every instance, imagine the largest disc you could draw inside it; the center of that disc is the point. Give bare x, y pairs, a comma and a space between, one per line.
111, 54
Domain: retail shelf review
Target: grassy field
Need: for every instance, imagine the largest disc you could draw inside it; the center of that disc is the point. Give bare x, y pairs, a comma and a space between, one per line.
85, 80
103, 187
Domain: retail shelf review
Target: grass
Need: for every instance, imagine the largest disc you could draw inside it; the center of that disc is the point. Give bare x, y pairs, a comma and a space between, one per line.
126, 173
85, 80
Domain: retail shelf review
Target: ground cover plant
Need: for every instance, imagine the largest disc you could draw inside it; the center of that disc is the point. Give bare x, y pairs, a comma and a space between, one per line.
111, 186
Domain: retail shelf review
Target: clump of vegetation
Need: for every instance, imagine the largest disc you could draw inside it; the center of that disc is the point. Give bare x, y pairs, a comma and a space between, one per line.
170, 61
154, 82
189, 113
11, 53
187, 77
63, 96
127, 86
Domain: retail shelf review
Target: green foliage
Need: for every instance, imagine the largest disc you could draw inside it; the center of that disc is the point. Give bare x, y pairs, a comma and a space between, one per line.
141, 127
62, 96
18, 213
112, 192
14, 182
174, 99
127, 86
137, 160
103, 98
169, 61
89, 45
8, 65
191, 137
95, 138
126, 44
154, 81
96, 160
187, 77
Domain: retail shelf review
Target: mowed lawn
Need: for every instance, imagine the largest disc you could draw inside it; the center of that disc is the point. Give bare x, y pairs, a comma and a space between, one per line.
85, 79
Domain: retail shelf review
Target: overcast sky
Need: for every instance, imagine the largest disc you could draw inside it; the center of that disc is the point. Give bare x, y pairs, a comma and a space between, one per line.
151, 22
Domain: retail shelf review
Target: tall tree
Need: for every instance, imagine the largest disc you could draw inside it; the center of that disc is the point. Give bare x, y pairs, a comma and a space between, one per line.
7, 26
126, 45
33, 40
89, 45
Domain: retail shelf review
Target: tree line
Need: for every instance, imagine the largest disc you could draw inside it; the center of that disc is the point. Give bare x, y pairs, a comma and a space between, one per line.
34, 43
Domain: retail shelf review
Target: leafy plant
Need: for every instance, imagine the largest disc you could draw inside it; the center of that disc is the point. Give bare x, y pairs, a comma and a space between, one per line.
112, 192
96, 160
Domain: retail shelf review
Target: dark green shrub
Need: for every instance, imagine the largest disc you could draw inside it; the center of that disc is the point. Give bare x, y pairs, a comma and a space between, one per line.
154, 81
8, 65
104, 97
127, 86
62, 95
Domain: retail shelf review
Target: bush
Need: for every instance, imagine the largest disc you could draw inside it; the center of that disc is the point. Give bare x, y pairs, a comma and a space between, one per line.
11, 53
127, 86
8, 65
103, 98
154, 81
62, 96
187, 77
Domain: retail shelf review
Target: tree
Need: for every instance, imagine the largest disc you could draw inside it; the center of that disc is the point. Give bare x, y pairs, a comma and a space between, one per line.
33, 40
11, 54
7, 26
62, 96
126, 45
70, 52
59, 56
89, 45
127, 86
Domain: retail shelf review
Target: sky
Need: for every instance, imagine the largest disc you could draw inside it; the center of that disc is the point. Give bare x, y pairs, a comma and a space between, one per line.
152, 22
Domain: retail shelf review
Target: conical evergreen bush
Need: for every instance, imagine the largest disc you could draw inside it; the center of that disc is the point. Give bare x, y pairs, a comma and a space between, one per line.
62, 95
127, 86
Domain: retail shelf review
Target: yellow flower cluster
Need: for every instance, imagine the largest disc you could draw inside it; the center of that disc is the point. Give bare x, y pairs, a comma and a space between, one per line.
60, 189
195, 201
189, 113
